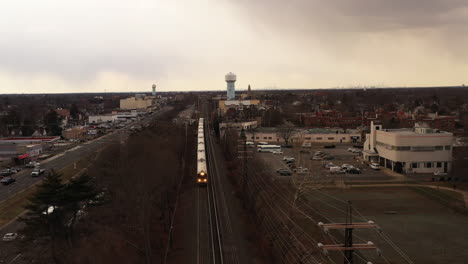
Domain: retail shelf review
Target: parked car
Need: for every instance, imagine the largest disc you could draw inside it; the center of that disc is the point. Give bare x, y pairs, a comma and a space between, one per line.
348, 166
10, 237
280, 170
304, 151
329, 165
306, 145
7, 180
336, 169
353, 171
285, 173
351, 149
328, 157
375, 166
292, 165
440, 174
301, 170
277, 152
37, 172
285, 158
329, 146
316, 158
16, 170
6, 172
286, 146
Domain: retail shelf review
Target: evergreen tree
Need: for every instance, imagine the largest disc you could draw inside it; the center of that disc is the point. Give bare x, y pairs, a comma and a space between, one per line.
53, 210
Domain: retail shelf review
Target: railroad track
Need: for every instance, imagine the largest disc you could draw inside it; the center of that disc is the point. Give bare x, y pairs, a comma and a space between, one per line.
214, 226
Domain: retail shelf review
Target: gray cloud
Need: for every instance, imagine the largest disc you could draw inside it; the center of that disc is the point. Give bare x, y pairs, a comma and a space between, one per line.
358, 15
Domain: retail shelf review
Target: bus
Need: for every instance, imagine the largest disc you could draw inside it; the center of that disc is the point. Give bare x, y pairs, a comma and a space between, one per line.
268, 148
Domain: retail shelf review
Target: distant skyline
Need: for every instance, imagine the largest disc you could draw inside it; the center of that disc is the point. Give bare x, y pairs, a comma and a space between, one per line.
54, 46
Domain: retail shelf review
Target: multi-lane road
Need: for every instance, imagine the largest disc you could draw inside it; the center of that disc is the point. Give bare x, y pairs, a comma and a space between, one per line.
62, 160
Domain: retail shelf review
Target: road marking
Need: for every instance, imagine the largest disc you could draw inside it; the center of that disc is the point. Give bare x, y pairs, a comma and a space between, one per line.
15, 258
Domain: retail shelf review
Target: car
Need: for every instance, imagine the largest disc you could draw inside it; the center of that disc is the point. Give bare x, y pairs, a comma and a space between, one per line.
316, 158
292, 165
37, 172
306, 145
353, 171
301, 170
304, 151
16, 170
289, 161
32, 164
10, 237
277, 152
329, 146
329, 165
287, 158
286, 146
285, 173
328, 157
336, 169
440, 174
347, 166
6, 172
375, 166
280, 170
7, 180
351, 149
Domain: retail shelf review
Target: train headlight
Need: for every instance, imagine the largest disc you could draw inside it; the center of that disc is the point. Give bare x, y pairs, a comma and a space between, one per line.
202, 173
205, 180
199, 180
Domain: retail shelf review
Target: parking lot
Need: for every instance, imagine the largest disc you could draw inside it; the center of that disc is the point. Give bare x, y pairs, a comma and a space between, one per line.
340, 155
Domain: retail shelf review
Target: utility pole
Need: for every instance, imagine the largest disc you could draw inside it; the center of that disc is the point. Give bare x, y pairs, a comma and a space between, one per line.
348, 248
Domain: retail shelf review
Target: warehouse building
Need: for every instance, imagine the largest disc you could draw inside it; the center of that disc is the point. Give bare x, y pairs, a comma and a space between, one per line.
415, 150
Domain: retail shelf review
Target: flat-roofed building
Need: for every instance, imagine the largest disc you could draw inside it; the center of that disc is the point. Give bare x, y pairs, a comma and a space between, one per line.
224, 105
139, 102
415, 150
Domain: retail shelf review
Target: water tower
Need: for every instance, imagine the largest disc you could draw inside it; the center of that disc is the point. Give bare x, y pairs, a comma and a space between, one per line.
154, 89
231, 89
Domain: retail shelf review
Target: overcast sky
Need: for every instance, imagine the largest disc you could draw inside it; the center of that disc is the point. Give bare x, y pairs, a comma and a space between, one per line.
126, 45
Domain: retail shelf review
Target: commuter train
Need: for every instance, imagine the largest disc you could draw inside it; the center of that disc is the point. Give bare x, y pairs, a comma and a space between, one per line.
202, 173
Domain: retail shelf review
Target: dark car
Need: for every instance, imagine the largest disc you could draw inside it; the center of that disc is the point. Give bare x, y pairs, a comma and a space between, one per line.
289, 161
353, 171
304, 151
281, 170
286, 146
7, 180
329, 146
285, 173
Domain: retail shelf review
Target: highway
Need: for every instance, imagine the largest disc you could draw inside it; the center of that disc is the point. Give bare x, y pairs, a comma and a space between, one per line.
62, 160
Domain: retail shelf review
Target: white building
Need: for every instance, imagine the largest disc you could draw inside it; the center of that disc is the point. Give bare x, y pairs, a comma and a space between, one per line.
238, 126
299, 136
417, 150
97, 119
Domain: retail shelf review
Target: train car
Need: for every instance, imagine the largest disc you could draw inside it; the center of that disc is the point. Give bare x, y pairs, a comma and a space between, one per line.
202, 172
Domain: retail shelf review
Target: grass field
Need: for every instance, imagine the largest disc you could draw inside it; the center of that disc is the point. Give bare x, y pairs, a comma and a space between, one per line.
418, 221
14, 206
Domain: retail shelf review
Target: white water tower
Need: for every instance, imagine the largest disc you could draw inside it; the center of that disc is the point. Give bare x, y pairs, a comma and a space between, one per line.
154, 89
231, 89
